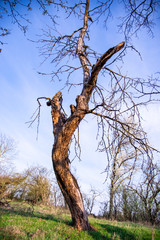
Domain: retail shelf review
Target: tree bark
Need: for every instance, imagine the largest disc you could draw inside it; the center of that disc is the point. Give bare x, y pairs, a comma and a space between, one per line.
63, 130
111, 201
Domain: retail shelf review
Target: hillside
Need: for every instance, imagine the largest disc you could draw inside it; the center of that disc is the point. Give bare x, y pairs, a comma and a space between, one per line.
21, 221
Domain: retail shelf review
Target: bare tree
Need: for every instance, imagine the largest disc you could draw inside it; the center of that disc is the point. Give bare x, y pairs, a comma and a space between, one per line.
64, 129
126, 159
56, 195
111, 104
8, 180
8, 150
9, 183
90, 199
148, 190
35, 187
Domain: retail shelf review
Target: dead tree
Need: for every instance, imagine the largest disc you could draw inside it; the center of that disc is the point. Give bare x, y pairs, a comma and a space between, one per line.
64, 128
110, 106
125, 159
110, 110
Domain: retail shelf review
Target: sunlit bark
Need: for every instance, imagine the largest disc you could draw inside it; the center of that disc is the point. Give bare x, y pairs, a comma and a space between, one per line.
110, 108
63, 130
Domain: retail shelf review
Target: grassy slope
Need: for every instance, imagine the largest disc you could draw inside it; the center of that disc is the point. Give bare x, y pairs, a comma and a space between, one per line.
19, 222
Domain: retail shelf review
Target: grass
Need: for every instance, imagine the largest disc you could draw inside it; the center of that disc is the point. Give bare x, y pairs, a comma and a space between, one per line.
19, 222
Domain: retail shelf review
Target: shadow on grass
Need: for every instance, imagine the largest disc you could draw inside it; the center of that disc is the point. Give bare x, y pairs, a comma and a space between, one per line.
36, 214
112, 232
13, 232
4, 234
97, 235
104, 231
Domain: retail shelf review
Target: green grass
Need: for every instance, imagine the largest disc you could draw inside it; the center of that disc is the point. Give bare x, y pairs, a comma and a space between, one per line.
20, 222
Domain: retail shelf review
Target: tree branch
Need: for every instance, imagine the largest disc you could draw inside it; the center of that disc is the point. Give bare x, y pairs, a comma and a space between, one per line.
80, 44
88, 88
105, 57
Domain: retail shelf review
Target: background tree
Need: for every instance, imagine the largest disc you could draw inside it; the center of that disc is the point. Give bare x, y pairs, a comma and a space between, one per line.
111, 102
148, 190
36, 186
90, 200
9, 184
8, 180
8, 150
138, 201
56, 195
125, 159
129, 207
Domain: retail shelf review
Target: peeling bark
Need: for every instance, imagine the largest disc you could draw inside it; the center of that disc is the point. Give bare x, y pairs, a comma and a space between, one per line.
63, 131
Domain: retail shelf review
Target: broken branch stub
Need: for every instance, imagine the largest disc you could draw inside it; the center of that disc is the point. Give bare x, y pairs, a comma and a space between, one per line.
58, 117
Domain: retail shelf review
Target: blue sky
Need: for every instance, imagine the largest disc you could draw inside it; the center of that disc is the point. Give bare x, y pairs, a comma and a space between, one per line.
20, 85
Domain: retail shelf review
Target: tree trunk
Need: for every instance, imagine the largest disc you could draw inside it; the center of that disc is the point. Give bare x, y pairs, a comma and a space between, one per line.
70, 189
63, 131
111, 204
112, 188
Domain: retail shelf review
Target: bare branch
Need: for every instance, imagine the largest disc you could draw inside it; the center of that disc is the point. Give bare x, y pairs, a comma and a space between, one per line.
88, 88
80, 45
36, 114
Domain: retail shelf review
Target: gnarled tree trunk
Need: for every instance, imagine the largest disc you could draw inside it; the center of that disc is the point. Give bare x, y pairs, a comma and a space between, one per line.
63, 130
